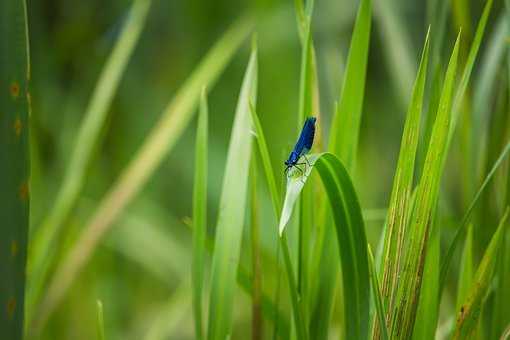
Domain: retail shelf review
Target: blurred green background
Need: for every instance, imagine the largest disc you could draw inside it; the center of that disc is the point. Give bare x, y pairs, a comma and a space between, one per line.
141, 271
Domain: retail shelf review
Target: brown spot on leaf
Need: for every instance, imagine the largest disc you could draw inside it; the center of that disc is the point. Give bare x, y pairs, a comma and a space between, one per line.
14, 89
18, 125
11, 307
23, 191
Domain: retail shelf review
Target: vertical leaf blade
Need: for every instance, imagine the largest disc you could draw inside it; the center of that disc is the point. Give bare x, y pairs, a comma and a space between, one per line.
402, 186
232, 209
404, 314
14, 171
200, 213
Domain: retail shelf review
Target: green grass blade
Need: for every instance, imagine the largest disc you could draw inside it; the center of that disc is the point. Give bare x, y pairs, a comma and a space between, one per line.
161, 140
404, 315
200, 213
351, 239
266, 162
376, 292
343, 140
45, 241
275, 199
100, 321
15, 167
256, 296
469, 314
232, 208
402, 186
297, 312
352, 243
445, 264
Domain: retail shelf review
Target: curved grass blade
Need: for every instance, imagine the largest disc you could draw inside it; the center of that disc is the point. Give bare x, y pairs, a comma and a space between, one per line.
158, 144
404, 314
343, 140
199, 214
470, 311
44, 244
232, 207
376, 292
398, 212
351, 237
445, 264
15, 165
352, 243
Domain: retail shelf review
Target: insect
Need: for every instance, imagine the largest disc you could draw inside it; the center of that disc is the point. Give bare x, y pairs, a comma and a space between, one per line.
302, 147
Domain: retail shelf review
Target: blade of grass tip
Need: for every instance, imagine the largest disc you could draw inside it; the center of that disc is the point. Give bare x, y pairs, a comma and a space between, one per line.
256, 324
376, 292
398, 212
45, 241
15, 165
467, 319
404, 313
232, 208
200, 213
445, 264
346, 120
175, 118
100, 320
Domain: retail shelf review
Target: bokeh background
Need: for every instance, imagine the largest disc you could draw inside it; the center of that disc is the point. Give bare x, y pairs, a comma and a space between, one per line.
141, 271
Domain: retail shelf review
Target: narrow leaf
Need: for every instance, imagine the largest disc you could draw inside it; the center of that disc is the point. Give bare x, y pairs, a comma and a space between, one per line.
232, 208
15, 166
404, 314
199, 214
398, 210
